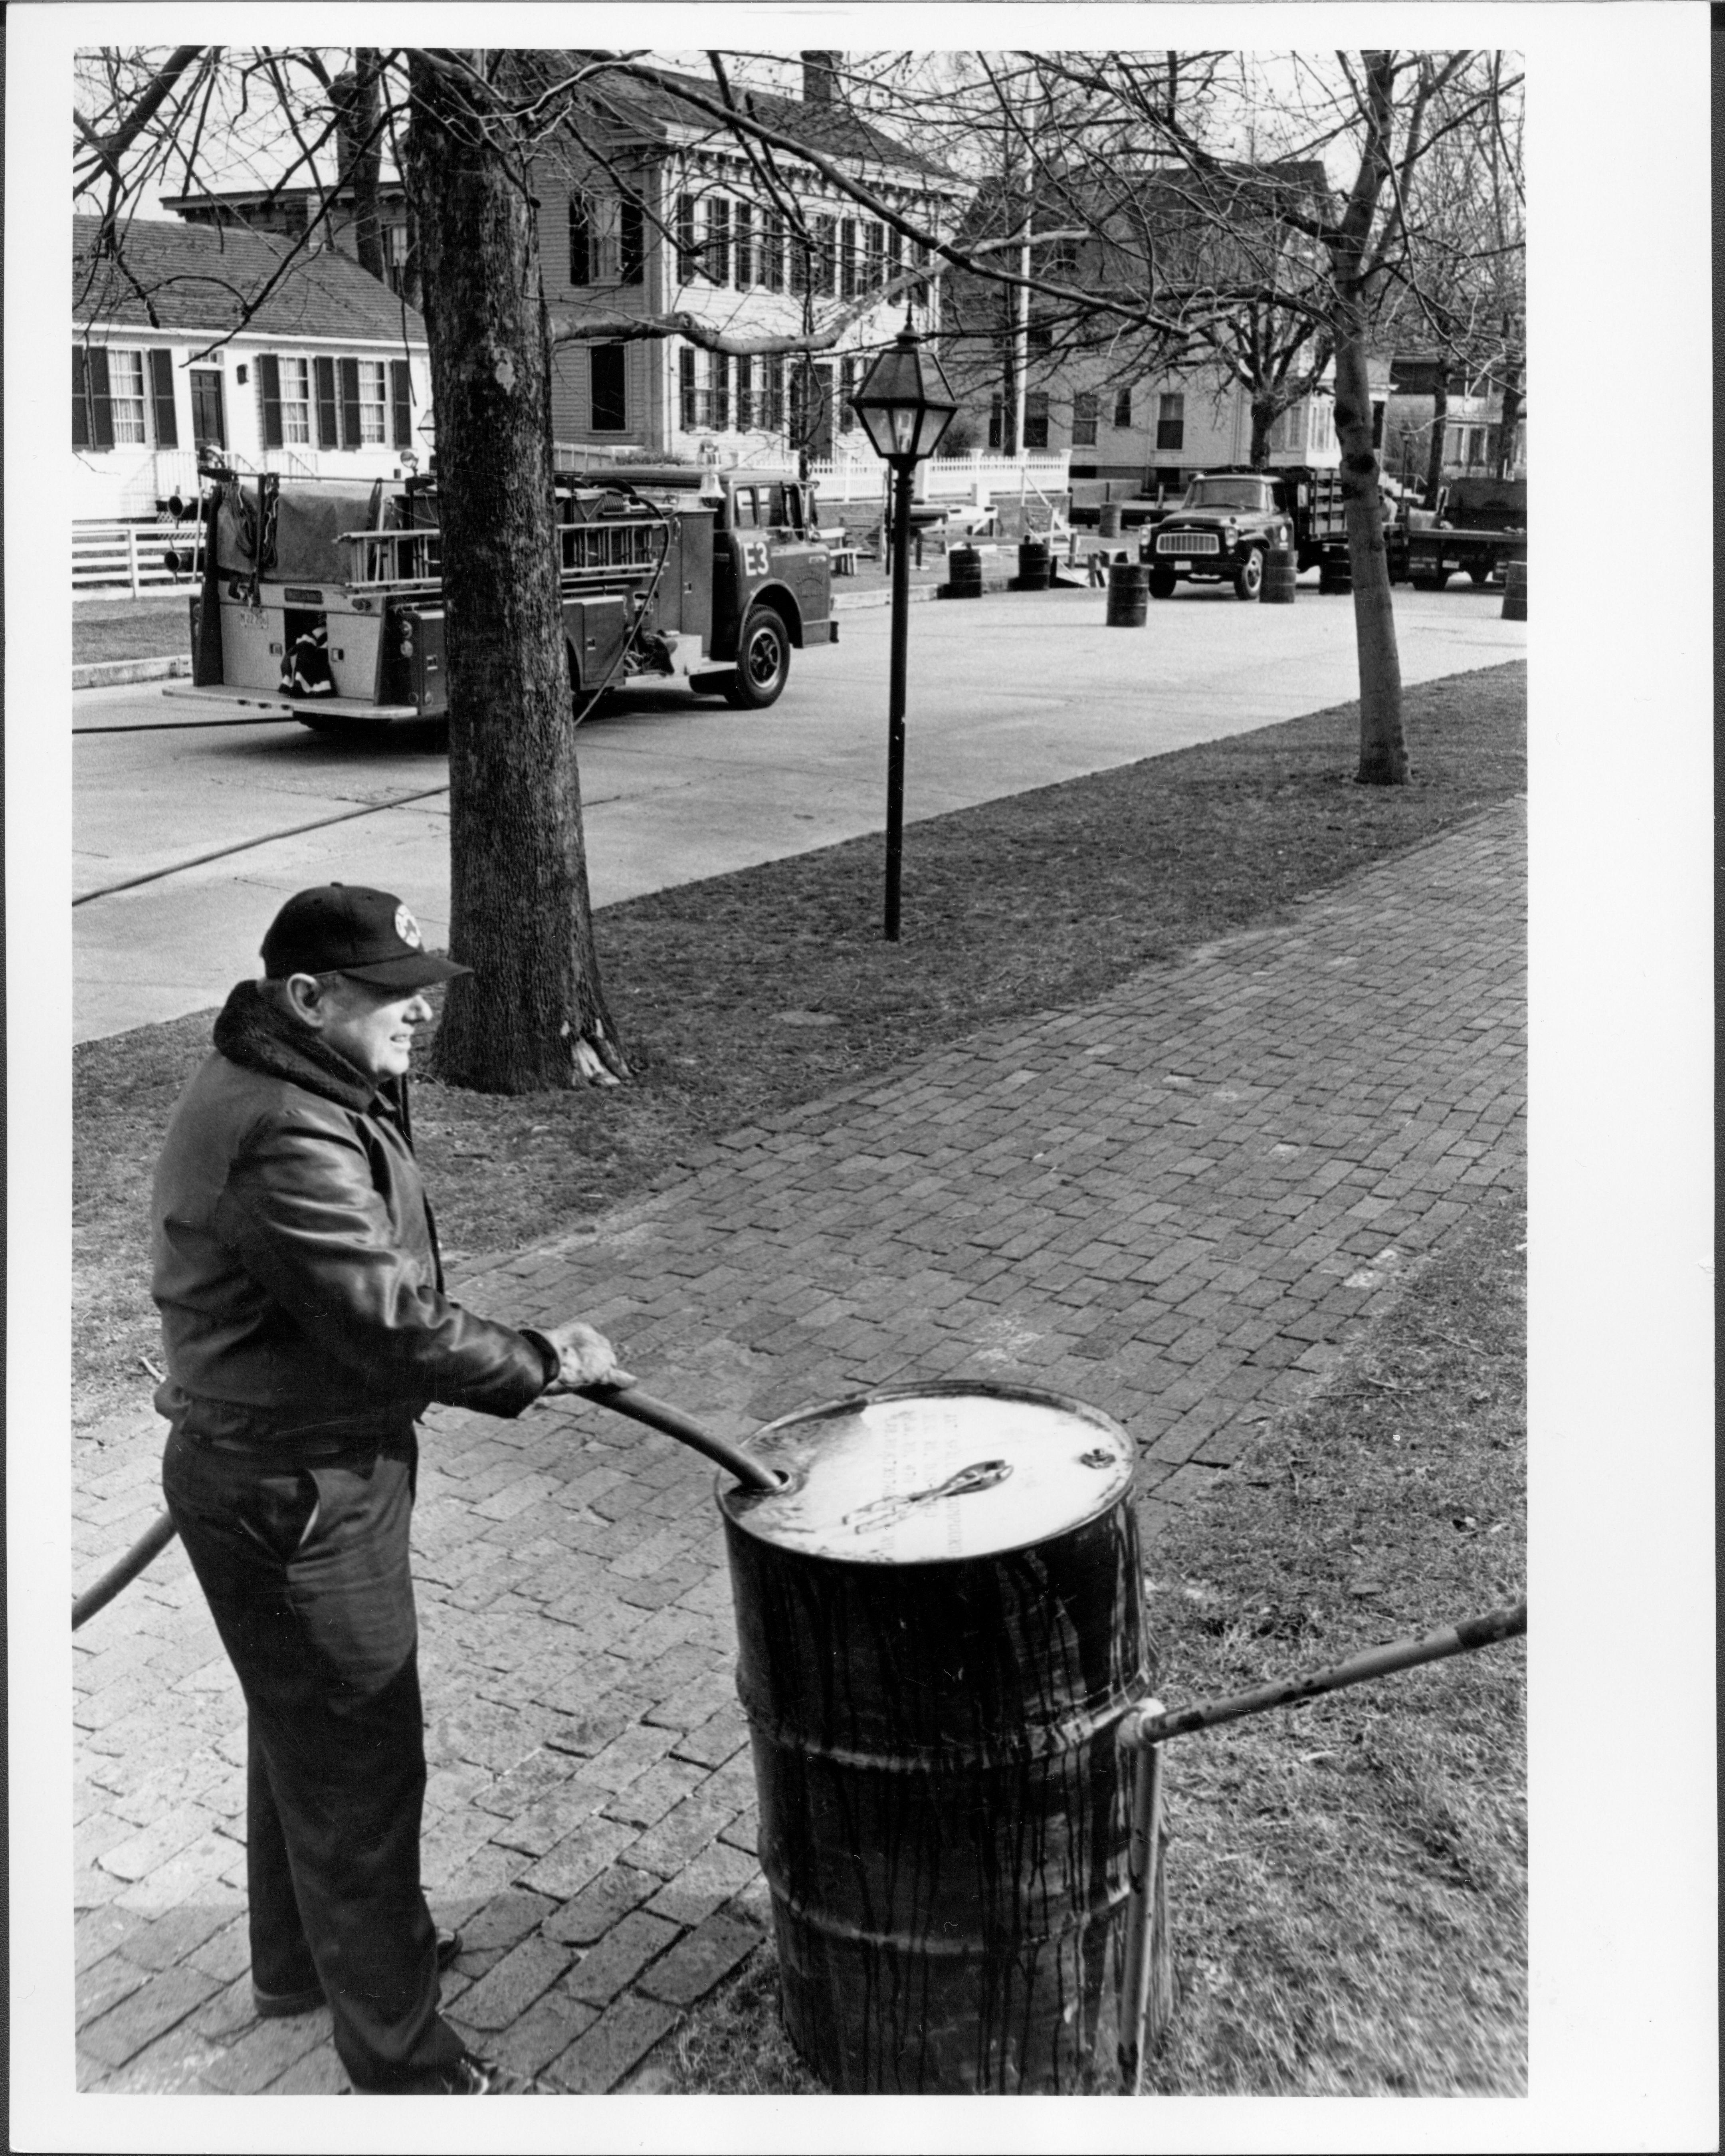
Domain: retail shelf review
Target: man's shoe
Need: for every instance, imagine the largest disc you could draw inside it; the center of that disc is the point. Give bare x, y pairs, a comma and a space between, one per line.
467, 2076
276, 2005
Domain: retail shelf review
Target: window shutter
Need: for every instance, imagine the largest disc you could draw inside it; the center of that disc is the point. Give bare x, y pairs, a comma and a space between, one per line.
745, 393
269, 391
401, 397
580, 249
689, 413
718, 242
348, 372
719, 417
101, 403
162, 397
80, 400
632, 268
329, 415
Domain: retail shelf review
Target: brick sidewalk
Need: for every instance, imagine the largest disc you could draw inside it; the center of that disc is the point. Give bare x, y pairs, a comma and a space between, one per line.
1177, 1202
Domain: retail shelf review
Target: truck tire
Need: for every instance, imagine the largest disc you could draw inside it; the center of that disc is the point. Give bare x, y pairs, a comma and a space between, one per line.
763, 661
1478, 572
1248, 577
1428, 583
1161, 583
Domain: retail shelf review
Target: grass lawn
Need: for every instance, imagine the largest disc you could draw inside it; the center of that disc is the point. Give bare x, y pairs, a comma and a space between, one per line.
1347, 1879
131, 628
751, 992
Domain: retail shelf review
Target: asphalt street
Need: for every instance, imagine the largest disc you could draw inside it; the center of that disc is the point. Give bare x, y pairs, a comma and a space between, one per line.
193, 821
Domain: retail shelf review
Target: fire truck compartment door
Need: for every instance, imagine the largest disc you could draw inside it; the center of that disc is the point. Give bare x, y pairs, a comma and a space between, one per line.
594, 629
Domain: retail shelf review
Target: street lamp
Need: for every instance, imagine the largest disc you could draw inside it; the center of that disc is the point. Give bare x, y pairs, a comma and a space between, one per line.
905, 404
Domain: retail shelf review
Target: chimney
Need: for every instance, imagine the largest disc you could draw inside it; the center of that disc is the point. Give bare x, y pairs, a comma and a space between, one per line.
820, 78
344, 96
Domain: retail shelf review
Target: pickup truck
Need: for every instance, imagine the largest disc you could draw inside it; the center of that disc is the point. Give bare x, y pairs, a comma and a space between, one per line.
1229, 520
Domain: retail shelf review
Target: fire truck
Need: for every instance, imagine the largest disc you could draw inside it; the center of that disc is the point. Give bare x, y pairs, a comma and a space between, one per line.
324, 601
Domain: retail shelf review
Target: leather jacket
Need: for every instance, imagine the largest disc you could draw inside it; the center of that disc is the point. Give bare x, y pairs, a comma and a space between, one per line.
296, 1266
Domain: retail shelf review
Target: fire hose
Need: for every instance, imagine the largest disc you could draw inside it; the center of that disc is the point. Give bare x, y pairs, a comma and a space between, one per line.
621, 1400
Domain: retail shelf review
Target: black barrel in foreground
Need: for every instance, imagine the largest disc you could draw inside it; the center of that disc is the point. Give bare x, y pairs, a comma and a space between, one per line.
940, 1629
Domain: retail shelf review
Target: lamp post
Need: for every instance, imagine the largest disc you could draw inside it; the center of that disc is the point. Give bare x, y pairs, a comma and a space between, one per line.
905, 404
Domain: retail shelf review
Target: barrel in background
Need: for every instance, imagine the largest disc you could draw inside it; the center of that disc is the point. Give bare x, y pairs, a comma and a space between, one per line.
1108, 521
945, 1813
1128, 594
1515, 591
1033, 566
964, 574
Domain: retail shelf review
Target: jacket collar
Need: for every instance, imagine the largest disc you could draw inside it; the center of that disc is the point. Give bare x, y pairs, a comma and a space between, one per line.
251, 1032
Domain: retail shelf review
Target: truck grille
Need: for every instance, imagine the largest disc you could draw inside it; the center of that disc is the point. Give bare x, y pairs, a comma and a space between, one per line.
1188, 542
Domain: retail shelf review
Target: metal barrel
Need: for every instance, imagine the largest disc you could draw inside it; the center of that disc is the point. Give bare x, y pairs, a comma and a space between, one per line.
1281, 565
1515, 591
1128, 594
1034, 561
1335, 572
939, 1632
1108, 521
964, 573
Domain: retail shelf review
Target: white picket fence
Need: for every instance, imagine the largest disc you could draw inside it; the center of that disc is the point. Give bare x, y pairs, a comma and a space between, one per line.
115, 561
977, 479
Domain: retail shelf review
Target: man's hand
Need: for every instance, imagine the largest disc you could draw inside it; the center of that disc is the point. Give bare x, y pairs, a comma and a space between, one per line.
585, 1358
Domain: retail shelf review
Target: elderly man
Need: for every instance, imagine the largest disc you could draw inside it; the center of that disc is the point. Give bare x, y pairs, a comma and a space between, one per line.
306, 1331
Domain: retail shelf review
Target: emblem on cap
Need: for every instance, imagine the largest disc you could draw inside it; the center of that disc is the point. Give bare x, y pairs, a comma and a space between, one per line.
407, 928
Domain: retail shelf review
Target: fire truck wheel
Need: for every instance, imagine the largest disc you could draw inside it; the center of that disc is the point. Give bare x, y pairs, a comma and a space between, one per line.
763, 661
1162, 583
1248, 577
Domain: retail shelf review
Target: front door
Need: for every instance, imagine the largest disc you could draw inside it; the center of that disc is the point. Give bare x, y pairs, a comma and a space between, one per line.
208, 428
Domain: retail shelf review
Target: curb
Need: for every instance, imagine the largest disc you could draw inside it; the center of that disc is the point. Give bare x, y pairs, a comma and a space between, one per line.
111, 672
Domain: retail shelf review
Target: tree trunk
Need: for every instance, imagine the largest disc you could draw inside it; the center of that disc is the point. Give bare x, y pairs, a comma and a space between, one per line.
1264, 419
533, 1013
1440, 428
1383, 747
1511, 418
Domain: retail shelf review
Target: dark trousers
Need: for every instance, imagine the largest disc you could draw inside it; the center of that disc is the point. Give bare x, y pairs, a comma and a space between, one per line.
304, 1567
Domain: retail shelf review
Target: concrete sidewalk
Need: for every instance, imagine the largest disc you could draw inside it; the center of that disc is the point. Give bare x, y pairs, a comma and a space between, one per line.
1179, 1203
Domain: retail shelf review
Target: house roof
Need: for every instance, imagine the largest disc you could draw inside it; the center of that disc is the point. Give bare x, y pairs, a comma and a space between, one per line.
649, 108
199, 277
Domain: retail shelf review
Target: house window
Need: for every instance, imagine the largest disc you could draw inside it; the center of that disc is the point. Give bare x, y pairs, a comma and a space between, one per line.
1036, 419
770, 260
608, 409
744, 370
285, 386
395, 256
1123, 407
775, 392
718, 241
1171, 420
126, 387
631, 243
895, 255
373, 403
745, 223
687, 260
1083, 419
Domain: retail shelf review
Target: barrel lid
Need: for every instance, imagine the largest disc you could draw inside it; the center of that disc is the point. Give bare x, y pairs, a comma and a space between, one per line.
919, 1476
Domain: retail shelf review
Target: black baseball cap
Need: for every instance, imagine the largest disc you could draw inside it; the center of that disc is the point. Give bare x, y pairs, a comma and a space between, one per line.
344, 928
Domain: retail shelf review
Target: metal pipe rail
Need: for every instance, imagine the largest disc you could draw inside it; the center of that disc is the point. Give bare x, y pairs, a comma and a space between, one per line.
1148, 1727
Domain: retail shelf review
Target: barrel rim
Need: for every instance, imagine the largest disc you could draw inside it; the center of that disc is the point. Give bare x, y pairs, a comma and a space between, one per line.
736, 1502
